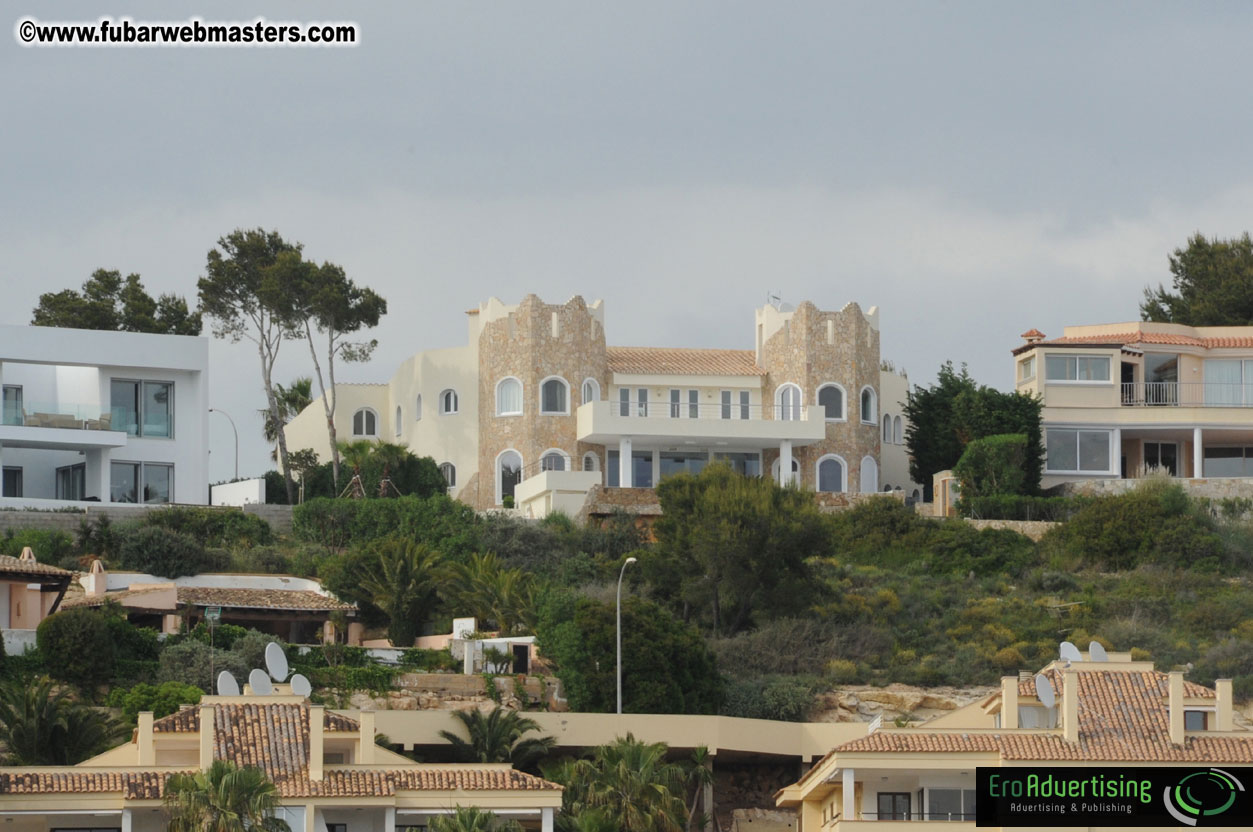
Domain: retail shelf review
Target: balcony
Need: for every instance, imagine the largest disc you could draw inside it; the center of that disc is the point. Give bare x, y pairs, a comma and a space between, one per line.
1186, 394
61, 415
732, 426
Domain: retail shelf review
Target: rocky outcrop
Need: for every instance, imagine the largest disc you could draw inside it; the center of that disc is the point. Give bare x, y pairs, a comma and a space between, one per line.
864, 703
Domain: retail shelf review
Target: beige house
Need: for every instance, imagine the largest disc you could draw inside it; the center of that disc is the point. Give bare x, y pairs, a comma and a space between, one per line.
30, 591
1122, 400
537, 409
1102, 713
330, 774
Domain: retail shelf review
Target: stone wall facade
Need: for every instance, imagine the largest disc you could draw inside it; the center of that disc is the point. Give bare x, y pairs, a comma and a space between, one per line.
68, 521
534, 342
815, 348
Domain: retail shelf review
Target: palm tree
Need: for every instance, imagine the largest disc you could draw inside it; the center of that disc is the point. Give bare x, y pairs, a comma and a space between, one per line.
389, 453
629, 781
356, 453
291, 400
402, 583
702, 775
41, 726
497, 738
490, 592
470, 819
225, 798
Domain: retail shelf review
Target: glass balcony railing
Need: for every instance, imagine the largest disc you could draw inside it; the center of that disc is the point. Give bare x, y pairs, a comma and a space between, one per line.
58, 415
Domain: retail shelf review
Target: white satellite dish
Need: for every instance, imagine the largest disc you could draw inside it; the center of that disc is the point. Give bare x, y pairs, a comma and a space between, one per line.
227, 686
276, 661
1044, 691
1070, 652
300, 685
260, 682
1096, 652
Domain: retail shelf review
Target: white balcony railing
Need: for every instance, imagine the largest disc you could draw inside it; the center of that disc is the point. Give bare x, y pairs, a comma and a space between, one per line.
1186, 394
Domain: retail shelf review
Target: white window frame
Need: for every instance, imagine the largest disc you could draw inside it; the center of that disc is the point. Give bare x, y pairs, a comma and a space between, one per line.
693, 403
1109, 462
451, 485
843, 417
565, 386
497, 473
399, 420
140, 464
443, 402
565, 457
818, 474
887, 428
139, 416
898, 430
676, 402
417, 409
521, 390
796, 409
594, 386
1078, 382
591, 455
364, 410
861, 475
874, 406
1026, 369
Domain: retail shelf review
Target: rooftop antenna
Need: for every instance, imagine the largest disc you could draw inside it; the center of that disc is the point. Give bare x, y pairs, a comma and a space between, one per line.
300, 685
260, 682
1070, 652
1096, 652
227, 686
275, 662
775, 299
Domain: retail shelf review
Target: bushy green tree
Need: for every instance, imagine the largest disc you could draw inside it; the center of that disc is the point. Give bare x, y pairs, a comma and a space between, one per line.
447, 525
77, 647
728, 545
1212, 282
110, 303
498, 737
993, 465
782, 698
163, 699
666, 666
155, 550
193, 662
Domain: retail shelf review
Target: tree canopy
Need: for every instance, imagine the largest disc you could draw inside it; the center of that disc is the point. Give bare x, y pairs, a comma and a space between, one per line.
1213, 285
947, 416
110, 303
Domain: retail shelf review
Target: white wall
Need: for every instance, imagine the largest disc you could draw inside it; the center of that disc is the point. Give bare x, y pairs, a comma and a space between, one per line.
238, 493
894, 458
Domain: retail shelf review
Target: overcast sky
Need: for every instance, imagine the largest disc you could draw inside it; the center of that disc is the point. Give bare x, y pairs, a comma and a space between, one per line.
973, 169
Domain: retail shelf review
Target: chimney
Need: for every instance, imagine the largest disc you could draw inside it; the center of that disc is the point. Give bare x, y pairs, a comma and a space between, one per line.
1070, 706
206, 737
317, 726
365, 754
96, 582
1032, 336
1222, 688
1176, 707
144, 739
1009, 702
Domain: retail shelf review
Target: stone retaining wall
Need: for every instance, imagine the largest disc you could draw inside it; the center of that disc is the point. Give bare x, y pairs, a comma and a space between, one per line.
279, 517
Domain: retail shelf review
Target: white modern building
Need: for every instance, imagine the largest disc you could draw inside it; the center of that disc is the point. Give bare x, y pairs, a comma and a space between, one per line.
94, 416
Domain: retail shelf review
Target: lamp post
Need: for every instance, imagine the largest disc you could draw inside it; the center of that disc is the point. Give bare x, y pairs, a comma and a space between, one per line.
233, 430
628, 562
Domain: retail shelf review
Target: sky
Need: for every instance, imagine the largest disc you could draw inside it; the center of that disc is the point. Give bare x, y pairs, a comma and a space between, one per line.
973, 169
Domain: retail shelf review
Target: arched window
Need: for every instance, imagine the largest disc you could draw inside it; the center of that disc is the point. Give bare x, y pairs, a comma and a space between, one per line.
869, 408
553, 460
591, 462
448, 402
554, 396
508, 397
417, 409
398, 420
917, 496
774, 470
508, 474
788, 400
591, 390
831, 400
449, 472
831, 470
869, 475
898, 436
887, 428
365, 422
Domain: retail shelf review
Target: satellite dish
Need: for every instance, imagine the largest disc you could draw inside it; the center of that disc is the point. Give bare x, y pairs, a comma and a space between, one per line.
300, 685
1044, 691
1070, 652
276, 661
260, 682
227, 686
1096, 652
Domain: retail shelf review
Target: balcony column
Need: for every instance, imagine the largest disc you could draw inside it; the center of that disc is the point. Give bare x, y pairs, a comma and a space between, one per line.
1115, 462
1198, 458
103, 480
848, 796
625, 466
785, 461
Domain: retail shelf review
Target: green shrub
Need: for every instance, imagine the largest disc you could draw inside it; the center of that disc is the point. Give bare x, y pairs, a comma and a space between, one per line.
447, 525
155, 550
266, 560
132, 643
224, 635
375, 678
250, 647
421, 658
783, 698
49, 546
162, 700
213, 527
993, 465
77, 647
192, 662
1020, 507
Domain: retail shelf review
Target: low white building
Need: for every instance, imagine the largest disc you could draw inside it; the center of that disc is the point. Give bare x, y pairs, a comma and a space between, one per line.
93, 416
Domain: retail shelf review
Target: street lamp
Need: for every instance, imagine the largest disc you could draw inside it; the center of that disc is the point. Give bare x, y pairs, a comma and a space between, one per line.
236, 432
629, 561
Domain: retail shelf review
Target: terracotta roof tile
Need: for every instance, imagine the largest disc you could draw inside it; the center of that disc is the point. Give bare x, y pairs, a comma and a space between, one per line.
299, 600
17, 566
1115, 339
683, 362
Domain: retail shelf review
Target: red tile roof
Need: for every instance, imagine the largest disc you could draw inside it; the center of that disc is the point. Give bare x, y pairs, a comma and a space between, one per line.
683, 362
297, 600
22, 567
1117, 339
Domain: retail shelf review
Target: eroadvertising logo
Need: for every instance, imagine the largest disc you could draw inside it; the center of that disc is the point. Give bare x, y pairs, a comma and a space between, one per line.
1142, 797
